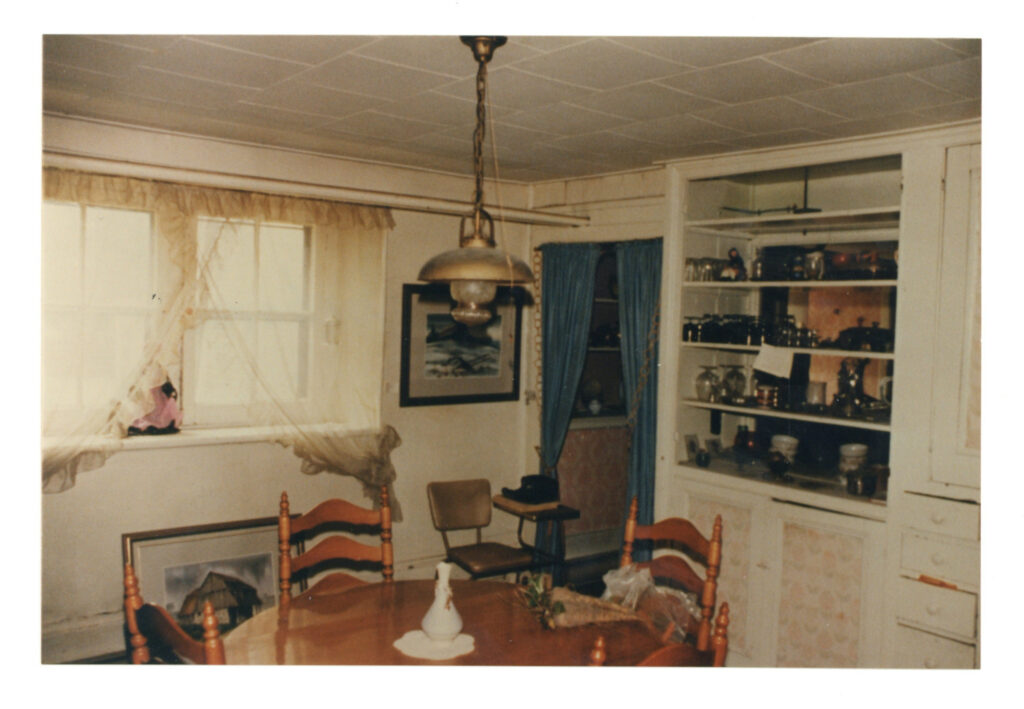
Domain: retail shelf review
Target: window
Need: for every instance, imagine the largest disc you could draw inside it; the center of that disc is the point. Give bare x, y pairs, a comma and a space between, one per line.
98, 288
259, 277
101, 304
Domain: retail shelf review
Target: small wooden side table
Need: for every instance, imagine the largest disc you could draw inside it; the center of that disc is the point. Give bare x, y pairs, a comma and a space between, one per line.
546, 512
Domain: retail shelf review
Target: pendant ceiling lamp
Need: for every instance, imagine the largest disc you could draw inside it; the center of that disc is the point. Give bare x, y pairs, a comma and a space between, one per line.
476, 269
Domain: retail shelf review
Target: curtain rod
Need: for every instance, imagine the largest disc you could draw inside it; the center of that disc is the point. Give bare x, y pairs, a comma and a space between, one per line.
371, 198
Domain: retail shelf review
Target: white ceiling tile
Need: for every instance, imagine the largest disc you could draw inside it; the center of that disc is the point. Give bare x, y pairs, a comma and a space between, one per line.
513, 89
786, 137
165, 86
270, 117
306, 49
768, 116
382, 126
599, 64
709, 51
959, 111
91, 54
644, 101
213, 63
743, 81
969, 47
565, 119
440, 54
880, 124
439, 108
605, 143
675, 130
878, 97
371, 77
962, 78
856, 59
299, 96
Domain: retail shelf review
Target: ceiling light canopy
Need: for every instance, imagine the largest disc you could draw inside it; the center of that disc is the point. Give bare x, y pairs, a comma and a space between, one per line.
476, 269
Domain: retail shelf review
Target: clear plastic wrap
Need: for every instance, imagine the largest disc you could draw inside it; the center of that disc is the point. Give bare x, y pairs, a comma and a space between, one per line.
670, 610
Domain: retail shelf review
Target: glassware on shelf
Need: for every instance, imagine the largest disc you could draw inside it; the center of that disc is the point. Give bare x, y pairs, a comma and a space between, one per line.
734, 384
707, 384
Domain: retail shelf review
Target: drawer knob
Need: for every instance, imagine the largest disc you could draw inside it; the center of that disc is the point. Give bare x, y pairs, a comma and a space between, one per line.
930, 664
938, 518
938, 559
933, 609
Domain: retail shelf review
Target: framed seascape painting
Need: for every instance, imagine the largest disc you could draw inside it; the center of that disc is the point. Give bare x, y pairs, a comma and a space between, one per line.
234, 564
446, 362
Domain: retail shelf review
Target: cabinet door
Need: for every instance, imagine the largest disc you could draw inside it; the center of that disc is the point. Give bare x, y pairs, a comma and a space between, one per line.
956, 417
742, 574
826, 599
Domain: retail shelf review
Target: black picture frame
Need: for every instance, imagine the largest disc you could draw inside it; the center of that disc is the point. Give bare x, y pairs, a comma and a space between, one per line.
445, 362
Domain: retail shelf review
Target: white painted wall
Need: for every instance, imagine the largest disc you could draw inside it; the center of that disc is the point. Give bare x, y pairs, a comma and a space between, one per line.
141, 490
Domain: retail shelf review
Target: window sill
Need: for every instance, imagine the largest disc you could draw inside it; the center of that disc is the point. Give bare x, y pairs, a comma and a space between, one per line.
194, 437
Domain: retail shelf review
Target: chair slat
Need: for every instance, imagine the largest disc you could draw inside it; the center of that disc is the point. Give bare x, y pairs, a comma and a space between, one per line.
335, 511
678, 530
335, 547
321, 519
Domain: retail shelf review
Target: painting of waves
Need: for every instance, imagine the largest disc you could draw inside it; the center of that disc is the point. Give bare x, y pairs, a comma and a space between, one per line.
457, 350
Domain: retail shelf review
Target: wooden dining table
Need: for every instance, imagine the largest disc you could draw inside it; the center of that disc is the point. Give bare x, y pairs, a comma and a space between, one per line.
359, 626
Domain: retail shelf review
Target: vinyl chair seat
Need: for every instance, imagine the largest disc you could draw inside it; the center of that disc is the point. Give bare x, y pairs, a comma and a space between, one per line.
490, 558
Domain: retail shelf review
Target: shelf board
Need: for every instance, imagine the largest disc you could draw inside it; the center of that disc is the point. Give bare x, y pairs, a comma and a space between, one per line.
822, 493
752, 285
866, 218
792, 416
820, 351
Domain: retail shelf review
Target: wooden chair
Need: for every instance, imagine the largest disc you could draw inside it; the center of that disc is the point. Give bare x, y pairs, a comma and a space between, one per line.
679, 654
332, 516
463, 505
156, 637
681, 535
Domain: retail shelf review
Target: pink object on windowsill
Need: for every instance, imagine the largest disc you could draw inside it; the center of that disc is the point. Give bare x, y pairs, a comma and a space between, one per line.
165, 416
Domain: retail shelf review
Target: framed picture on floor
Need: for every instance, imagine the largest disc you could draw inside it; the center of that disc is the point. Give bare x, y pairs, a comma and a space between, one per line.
232, 563
447, 362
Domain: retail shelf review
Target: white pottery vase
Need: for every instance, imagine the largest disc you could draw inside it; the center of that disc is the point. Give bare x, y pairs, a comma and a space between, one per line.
442, 623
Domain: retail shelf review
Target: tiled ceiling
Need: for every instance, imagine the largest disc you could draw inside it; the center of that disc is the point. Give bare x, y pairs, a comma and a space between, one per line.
558, 106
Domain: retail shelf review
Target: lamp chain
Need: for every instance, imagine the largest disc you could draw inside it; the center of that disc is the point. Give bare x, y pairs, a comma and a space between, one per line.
478, 138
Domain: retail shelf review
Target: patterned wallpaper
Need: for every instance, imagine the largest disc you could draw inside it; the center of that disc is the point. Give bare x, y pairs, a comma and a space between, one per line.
592, 477
819, 611
733, 583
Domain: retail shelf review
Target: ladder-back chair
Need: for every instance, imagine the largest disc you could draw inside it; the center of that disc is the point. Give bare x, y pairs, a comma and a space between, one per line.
681, 535
336, 549
679, 654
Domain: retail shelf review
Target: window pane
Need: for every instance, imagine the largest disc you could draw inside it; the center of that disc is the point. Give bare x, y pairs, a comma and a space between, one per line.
282, 268
229, 249
282, 358
112, 351
222, 376
61, 256
60, 360
118, 263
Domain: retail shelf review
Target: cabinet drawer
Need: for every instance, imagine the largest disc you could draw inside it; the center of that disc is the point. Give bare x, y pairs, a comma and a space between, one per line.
944, 559
920, 650
931, 514
936, 607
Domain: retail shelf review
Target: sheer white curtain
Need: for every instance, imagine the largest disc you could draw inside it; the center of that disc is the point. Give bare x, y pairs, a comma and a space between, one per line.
272, 304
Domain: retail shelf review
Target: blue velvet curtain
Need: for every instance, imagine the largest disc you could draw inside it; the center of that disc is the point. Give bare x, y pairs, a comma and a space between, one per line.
639, 275
567, 293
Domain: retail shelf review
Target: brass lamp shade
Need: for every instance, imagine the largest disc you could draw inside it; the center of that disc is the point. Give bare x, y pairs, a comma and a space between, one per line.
477, 263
